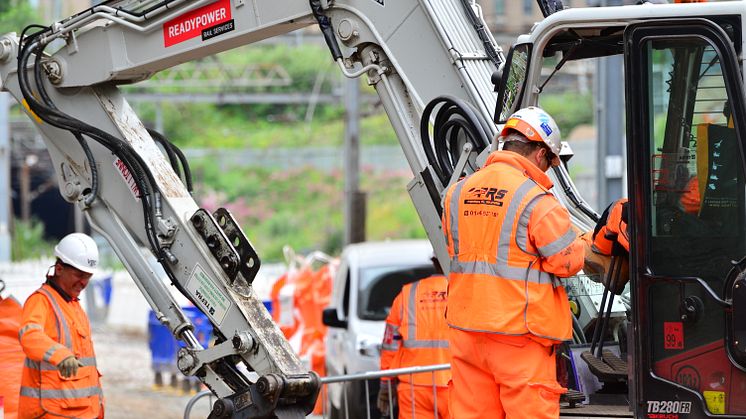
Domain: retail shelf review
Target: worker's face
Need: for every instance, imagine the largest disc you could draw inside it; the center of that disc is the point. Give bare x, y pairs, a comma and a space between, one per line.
71, 280
542, 158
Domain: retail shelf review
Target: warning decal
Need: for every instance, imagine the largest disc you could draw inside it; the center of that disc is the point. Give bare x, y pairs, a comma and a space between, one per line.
194, 23
208, 294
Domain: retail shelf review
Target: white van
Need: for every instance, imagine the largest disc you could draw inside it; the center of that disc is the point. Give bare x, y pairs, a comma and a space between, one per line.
370, 275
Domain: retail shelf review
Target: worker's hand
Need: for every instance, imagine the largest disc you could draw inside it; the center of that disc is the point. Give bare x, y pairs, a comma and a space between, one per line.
385, 398
611, 235
69, 367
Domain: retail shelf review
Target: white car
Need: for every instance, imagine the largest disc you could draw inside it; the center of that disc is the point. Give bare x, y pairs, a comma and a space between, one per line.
369, 277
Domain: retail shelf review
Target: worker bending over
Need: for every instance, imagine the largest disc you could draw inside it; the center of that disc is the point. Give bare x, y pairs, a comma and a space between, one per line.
417, 334
509, 240
59, 377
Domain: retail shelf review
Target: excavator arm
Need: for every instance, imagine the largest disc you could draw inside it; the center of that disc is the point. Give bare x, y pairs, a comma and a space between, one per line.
430, 61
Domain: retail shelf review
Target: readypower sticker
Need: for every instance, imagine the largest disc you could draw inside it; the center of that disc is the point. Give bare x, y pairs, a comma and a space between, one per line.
208, 295
208, 21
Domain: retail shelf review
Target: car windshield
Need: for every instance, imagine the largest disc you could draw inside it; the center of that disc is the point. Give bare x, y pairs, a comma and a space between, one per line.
379, 286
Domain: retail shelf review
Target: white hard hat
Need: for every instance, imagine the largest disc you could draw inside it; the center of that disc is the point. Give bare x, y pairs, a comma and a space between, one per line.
536, 125
79, 251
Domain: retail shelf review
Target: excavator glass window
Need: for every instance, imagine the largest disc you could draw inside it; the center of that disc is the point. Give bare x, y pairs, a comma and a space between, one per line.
691, 190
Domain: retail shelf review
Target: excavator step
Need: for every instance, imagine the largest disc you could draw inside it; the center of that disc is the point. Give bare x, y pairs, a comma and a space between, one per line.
609, 369
572, 397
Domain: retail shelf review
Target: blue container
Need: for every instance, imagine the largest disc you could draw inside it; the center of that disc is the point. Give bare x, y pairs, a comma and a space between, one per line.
163, 346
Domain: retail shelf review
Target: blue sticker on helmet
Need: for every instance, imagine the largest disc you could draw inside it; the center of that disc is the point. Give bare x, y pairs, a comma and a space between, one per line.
545, 127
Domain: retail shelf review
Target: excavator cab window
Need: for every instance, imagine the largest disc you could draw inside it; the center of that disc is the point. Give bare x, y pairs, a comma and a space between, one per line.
686, 162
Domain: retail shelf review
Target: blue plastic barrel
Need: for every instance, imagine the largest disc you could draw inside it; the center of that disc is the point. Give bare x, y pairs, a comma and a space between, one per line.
163, 346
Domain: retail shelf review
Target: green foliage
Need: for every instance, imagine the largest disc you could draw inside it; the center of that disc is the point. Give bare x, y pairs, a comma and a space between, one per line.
16, 15
303, 207
206, 126
28, 241
569, 109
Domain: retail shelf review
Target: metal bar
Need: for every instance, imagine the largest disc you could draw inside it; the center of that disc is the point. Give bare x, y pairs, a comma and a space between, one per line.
369, 375
193, 401
435, 397
367, 399
411, 394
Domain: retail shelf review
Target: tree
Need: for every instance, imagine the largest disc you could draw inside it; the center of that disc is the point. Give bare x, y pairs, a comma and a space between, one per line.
16, 15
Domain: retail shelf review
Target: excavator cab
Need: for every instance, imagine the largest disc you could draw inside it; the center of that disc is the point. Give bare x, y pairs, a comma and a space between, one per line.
686, 157
686, 131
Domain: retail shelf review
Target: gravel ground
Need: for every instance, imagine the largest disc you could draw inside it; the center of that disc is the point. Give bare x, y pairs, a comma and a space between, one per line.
128, 381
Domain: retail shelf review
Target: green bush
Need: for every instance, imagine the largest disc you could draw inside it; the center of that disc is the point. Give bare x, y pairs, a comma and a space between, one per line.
569, 109
303, 207
28, 241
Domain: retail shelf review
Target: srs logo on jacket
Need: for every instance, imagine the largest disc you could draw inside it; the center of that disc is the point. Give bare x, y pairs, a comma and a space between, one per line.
485, 196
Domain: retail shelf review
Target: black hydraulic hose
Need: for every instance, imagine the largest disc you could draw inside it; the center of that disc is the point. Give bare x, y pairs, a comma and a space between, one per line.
184, 167
94, 170
54, 117
176, 157
454, 117
484, 34
172, 160
567, 189
325, 24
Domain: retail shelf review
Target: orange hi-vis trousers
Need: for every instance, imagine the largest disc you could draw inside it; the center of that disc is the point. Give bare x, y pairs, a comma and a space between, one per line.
502, 377
419, 402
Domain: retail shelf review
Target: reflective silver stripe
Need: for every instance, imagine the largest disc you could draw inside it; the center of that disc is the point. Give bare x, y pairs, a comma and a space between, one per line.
48, 354
454, 215
558, 245
28, 327
412, 312
61, 320
521, 233
503, 271
61, 394
46, 366
414, 343
411, 341
506, 232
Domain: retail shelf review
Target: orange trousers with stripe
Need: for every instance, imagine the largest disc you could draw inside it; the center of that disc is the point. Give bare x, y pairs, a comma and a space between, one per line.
502, 377
419, 402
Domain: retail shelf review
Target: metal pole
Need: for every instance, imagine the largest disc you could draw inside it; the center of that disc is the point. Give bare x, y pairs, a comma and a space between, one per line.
354, 210
610, 118
5, 212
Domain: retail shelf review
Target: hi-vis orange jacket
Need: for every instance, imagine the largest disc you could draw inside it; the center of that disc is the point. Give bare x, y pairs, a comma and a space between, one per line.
509, 239
416, 331
53, 329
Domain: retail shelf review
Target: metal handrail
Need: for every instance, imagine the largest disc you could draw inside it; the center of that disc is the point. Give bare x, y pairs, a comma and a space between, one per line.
370, 375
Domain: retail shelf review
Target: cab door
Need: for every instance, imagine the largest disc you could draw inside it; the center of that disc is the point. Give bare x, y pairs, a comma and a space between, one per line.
685, 142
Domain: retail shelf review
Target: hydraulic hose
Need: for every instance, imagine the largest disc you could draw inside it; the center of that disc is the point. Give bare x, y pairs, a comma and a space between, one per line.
47, 111
456, 122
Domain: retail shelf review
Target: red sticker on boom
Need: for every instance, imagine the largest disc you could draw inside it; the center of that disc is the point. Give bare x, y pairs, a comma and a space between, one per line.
673, 335
194, 23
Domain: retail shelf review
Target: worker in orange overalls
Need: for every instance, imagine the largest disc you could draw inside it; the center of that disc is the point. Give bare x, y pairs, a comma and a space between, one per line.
59, 377
510, 240
417, 334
